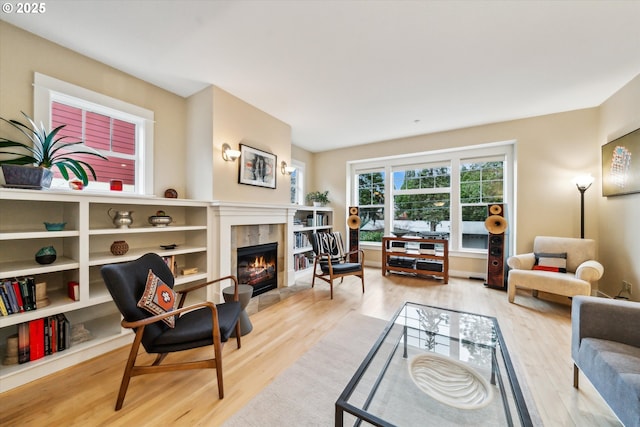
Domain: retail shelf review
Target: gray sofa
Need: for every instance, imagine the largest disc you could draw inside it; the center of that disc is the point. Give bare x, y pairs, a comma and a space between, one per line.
605, 346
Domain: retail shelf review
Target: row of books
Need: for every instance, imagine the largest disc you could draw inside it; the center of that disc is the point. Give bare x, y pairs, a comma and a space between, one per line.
301, 240
17, 295
301, 262
42, 337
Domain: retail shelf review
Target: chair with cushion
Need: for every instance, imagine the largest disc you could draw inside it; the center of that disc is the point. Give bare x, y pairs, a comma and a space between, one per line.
143, 292
558, 265
332, 262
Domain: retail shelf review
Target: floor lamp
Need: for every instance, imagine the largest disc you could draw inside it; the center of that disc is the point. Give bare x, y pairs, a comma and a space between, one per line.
583, 182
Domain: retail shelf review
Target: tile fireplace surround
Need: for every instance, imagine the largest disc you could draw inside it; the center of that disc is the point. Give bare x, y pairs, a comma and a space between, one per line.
245, 224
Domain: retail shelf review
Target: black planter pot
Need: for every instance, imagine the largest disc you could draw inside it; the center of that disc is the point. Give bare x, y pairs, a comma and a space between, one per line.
18, 176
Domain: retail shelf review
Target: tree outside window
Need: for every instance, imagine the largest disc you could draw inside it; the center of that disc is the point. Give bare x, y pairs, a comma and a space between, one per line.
371, 197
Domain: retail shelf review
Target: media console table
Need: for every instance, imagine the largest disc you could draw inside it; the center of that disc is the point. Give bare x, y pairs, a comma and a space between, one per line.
419, 256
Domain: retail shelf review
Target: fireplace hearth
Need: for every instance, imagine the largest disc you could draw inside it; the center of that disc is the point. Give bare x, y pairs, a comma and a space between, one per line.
258, 266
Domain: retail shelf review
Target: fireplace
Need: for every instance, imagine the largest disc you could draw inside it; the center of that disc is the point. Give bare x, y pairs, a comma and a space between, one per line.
258, 267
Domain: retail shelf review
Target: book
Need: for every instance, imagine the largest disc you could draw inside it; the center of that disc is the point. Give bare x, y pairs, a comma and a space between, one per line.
26, 294
36, 339
23, 342
5, 299
18, 295
3, 308
8, 288
60, 318
31, 283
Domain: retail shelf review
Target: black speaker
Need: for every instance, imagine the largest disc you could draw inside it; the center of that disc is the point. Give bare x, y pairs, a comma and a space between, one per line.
496, 225
353, 222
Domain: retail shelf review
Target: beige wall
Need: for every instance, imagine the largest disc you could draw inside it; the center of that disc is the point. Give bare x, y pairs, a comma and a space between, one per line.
22, 54
550, 151
236, 122
618, 222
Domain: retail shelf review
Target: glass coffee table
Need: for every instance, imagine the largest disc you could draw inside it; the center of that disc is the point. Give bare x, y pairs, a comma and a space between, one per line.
433, 366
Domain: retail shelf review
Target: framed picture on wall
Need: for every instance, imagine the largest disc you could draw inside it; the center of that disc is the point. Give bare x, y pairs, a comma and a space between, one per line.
257, 167
621, 165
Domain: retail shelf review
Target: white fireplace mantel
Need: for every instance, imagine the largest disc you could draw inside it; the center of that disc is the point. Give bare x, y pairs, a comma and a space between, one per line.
226, 215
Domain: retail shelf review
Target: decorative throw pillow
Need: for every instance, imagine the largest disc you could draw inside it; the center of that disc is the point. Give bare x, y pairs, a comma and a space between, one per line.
158, 298
551, 262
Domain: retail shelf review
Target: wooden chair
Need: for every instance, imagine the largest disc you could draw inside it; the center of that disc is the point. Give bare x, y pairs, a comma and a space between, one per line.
198, 325
332, 259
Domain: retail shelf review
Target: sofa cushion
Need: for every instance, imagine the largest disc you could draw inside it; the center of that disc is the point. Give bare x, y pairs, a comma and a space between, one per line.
614, 370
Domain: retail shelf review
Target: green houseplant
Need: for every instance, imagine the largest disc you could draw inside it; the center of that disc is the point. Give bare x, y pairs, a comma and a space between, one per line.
318, 198
46, 150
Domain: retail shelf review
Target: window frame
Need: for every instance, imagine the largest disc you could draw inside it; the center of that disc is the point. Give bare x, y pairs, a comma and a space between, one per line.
299, 181
503, 149
48, 89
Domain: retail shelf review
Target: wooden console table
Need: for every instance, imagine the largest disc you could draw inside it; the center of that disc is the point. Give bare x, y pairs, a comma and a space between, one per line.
411, 256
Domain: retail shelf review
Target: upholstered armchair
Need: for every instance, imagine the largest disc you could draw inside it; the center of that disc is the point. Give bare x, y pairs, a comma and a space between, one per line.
558, 265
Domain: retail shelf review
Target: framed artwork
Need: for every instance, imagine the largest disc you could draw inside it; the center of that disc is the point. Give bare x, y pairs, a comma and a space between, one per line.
257, 167
621, 165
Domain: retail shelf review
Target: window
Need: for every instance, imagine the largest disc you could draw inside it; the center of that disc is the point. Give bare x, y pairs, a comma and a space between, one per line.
120, 131
113, 138
421, 200
442, 194
297, 183
371, 197
481, 183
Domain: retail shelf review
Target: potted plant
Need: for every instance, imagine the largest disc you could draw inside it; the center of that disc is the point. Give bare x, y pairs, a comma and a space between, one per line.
32, 166
318, 198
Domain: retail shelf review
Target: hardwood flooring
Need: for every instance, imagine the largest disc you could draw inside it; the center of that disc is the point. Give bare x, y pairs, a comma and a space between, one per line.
537, 333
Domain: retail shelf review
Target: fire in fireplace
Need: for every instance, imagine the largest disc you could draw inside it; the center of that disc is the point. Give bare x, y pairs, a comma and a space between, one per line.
258, 267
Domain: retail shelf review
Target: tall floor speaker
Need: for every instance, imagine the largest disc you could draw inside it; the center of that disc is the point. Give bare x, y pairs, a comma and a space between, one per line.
353, 222
496, 225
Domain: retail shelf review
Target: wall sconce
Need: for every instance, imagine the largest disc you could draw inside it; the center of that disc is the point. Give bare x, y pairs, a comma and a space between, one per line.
286, 170
228, 154
583, 182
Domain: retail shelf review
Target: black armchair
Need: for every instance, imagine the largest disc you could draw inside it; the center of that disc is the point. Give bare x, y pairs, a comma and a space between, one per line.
332, 259
197, 325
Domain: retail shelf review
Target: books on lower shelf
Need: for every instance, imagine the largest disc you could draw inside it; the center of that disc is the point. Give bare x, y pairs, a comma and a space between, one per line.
44, 336
301, 262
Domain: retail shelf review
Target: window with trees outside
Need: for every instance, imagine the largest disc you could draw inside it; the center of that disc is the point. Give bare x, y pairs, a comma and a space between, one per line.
441, 195
297, 183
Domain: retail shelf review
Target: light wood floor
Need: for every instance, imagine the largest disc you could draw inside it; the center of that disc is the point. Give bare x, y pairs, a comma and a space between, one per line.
537, 333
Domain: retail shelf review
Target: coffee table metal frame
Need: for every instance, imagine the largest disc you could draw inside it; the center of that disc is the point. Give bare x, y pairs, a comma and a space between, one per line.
343, 405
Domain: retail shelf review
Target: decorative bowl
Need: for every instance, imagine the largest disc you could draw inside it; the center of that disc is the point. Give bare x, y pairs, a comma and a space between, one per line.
46, 255
54, 226
160, 220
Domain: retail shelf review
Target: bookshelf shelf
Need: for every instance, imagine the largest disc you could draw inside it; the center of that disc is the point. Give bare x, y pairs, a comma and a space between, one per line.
307, 220
82, 249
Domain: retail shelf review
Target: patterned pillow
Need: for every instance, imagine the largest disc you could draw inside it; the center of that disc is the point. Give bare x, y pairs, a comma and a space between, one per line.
551, 262
158, 298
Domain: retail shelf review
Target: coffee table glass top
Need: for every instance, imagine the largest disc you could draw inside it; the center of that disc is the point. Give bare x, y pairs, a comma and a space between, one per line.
433, 366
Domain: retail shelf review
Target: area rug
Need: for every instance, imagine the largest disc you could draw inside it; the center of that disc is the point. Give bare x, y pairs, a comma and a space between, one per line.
305, 393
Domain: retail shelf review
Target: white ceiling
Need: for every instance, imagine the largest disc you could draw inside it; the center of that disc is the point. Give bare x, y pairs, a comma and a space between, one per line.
350, 72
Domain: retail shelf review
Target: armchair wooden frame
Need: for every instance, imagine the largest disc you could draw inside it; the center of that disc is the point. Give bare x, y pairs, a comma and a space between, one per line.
132, 370
330, 275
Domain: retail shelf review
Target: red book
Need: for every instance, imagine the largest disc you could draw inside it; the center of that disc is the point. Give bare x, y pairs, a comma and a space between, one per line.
16, 289
36, 339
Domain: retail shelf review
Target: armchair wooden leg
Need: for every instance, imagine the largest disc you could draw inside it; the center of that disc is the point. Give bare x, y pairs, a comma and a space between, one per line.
238, 334
126, 376
576, 374
218, 355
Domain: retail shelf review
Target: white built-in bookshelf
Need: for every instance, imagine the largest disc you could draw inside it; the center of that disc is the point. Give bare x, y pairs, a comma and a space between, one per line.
83, 247
306, 221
